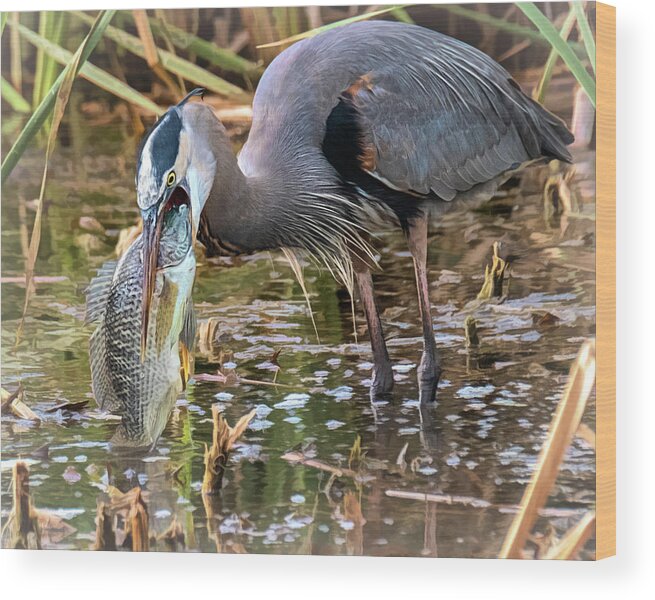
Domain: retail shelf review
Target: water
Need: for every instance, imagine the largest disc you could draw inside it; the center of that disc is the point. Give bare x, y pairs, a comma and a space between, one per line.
479, 443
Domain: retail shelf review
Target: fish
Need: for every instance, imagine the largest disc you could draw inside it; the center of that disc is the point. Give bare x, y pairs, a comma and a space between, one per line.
142, 385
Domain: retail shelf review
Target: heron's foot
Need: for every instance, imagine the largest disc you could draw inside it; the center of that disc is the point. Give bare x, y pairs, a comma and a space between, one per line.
381, 382
429, 373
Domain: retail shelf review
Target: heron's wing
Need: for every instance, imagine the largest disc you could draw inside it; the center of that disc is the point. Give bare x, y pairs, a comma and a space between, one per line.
448, 122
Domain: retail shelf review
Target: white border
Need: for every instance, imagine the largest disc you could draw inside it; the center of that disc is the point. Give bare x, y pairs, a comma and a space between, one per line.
50, 575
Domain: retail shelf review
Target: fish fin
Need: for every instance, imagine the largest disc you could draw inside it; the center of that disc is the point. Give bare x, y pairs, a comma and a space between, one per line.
187, 343
98, 292
188, 332
103, 391
121, 440
186, 362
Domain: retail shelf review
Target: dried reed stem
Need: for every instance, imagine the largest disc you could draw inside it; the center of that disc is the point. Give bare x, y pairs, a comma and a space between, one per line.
574, 539
563, 427
22, 526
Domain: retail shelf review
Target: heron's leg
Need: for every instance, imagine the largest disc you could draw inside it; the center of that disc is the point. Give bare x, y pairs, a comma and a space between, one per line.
382, 383
430, 368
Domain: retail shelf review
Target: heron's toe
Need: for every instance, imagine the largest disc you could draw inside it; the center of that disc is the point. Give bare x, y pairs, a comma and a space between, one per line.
429, 373
381, 383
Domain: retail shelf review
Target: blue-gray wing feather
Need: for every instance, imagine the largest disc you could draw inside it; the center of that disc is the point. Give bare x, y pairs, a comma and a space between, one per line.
450, 122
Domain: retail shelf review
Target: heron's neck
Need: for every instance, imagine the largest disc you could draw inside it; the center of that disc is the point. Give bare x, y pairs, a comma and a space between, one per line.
246, 214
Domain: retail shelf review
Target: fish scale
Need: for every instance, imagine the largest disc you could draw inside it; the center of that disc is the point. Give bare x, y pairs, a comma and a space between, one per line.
143, 391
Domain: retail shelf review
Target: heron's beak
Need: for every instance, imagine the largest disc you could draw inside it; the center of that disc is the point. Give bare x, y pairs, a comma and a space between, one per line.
152, 221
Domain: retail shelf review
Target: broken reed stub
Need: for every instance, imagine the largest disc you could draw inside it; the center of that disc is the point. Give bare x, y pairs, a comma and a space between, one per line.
105, 535
471, 332
173, 537
558, 196
223, 439
494, 276
138, 525
22, 528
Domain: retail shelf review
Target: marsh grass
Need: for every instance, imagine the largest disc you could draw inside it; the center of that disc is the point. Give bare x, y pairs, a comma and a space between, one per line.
559, 45
60, 101
172, 63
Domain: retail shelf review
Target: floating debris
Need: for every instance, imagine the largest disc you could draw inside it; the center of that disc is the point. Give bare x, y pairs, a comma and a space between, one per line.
14, 403
299, 457
471, 501
70, 406
231, 378
545, 320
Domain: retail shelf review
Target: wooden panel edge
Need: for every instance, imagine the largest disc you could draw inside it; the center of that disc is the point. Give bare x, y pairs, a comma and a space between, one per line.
606, 280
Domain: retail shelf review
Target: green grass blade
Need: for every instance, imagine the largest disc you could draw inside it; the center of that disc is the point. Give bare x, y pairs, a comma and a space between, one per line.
220, 57
51, 25
94, 74
402, 15
12, 97
61, 101
50, 69
37, 95
15, 58
547, 29
495, 22
170, 62
3, 22
317, 30
585, 31
551, 61
45, 108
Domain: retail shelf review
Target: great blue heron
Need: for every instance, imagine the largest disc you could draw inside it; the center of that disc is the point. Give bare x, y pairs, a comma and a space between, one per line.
369, 123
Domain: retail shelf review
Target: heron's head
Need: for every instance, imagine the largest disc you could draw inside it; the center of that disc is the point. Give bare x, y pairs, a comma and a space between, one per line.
172, 169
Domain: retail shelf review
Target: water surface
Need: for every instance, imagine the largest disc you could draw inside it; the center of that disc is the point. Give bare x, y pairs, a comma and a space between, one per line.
479, 443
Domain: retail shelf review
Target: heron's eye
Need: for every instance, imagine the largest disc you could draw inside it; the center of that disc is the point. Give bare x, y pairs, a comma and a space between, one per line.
171, 179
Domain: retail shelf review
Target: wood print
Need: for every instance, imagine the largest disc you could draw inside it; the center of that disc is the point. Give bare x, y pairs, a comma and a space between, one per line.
310, 280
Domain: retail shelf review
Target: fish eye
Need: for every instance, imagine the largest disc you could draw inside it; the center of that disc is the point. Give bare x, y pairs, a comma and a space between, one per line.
171, 179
